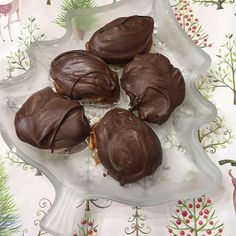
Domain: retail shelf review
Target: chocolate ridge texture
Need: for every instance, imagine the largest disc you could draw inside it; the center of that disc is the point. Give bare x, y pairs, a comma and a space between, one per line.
79, 74
121, 39
127, 147
48, 120
155, 87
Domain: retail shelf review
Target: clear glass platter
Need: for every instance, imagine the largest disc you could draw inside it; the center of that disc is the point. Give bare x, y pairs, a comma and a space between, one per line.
186, 171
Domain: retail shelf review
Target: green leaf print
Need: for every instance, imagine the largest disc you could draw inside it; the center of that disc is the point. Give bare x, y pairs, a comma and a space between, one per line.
68, 5
228, 161
9, 223
225, 75
215, 135
18, 59
204, 86
218, 3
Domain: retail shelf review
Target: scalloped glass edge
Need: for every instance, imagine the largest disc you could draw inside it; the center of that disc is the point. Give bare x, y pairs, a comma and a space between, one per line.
204, 161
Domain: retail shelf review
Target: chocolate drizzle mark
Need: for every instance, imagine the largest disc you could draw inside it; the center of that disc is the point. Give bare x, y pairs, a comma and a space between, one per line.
126, 146
154, 86
49, 121
121, 39
79, 74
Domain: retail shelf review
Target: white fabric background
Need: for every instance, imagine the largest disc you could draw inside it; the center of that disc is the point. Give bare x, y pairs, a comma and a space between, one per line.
28, 189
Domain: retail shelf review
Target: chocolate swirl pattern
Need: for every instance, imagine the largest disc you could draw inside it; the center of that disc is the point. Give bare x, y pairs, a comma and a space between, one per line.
154, 85
79, 74
126, 146
49, 121
122, 38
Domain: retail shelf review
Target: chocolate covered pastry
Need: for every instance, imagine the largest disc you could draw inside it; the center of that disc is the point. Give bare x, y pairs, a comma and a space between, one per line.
79, 74
47, 120
154, 85
118, 41
127, 147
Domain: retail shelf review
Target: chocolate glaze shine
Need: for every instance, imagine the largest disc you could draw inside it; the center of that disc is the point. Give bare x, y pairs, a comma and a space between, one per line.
49, 121
79, 74
154, 85
126, 146
118, 41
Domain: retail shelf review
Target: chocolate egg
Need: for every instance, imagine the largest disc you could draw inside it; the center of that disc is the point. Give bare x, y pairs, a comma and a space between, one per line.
79, 74
127, 147
47, 120
118, 41
154, 85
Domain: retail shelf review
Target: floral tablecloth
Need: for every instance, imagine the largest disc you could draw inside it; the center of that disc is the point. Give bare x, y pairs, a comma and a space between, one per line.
26, 195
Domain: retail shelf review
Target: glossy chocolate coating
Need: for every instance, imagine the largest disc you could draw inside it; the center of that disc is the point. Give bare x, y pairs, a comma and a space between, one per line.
47, 120
154, 86
127, 147
79, 74
118, 41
